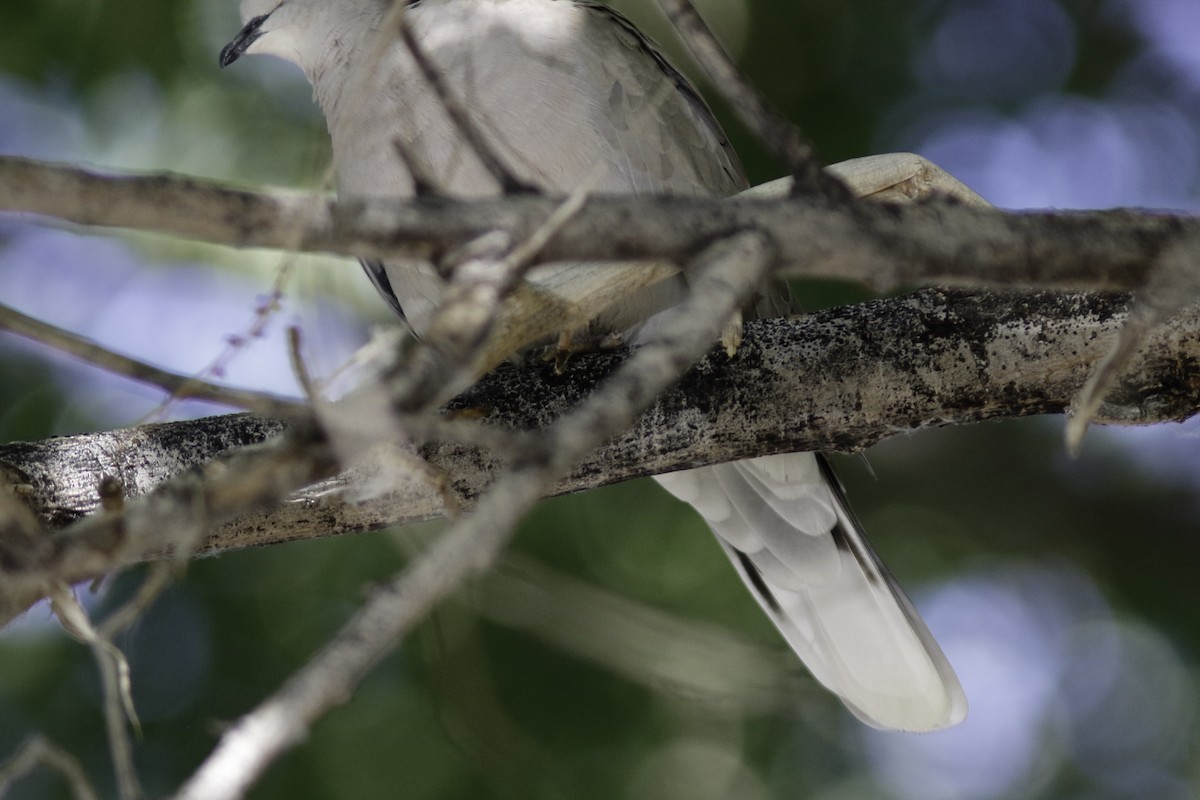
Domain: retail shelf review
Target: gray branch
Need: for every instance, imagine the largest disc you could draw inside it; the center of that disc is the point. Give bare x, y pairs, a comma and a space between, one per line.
881, 245
724, 277
838, 380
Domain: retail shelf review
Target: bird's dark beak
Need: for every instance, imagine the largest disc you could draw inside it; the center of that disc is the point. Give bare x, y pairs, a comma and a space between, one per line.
246, 36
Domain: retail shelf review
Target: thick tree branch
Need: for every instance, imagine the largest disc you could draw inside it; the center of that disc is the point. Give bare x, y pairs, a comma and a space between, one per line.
837, 380
171, 521
879, 245
724, 277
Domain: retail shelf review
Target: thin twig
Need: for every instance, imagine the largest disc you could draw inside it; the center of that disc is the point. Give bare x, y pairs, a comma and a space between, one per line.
473, 330
525, 255
457, 112
643, 644
117, 689
299, 368
158, 577
781, 136
38, 751
423, 183
1173, 285
462, 342
263, 312
177, 385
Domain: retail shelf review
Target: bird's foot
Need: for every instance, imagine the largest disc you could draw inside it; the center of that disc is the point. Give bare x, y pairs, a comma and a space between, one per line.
570, 344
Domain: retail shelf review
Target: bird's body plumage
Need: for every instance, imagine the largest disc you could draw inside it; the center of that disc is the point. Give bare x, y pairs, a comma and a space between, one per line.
571, 95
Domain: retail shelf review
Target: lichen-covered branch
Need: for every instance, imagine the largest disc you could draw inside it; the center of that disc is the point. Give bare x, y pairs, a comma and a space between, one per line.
837, 380
723, 278
186, 503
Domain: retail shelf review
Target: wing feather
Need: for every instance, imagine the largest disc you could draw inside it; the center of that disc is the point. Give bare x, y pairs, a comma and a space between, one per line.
848, 620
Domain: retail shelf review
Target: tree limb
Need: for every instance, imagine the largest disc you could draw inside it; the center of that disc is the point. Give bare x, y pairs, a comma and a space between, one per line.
880, 245
177, 385
837, 380
724, 277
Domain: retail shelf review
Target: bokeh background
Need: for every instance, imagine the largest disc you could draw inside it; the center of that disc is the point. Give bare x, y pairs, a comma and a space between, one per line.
616, 654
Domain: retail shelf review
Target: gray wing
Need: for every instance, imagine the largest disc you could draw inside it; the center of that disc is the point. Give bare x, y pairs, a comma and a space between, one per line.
694, 127
579, 99
569, 93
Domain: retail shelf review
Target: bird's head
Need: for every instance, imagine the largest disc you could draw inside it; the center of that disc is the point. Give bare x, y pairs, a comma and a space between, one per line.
296, 30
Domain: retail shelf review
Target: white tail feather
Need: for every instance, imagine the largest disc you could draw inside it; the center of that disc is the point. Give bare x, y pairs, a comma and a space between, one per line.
787, 529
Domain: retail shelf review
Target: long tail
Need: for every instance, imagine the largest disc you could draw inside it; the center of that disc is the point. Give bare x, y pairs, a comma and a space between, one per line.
788, 530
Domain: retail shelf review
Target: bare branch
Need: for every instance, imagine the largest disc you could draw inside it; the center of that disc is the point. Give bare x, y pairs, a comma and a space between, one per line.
879, 245
477, 140
776, 132
643, 644
175, 384
38, 751
839, 380
1173, 286
116, 688
723, 277
172, 519
486, 314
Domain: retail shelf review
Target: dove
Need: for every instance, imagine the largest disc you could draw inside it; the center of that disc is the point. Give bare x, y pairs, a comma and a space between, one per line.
570, 94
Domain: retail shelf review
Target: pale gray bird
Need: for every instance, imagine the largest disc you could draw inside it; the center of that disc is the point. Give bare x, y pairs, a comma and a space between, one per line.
570, 93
